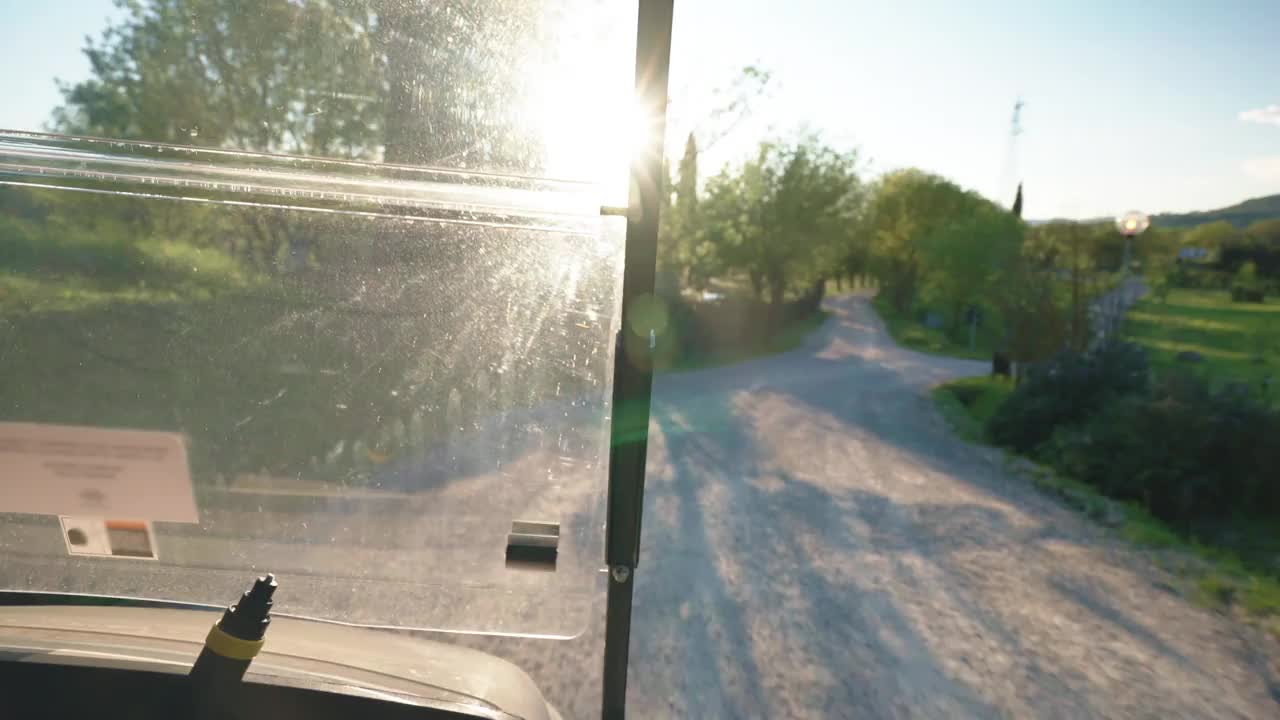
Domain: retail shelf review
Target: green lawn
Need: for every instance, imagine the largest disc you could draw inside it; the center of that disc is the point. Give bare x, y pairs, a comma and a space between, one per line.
908, 332
1238, 341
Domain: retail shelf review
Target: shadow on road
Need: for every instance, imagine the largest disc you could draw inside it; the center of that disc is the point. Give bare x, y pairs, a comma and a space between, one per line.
809, 582
765, 628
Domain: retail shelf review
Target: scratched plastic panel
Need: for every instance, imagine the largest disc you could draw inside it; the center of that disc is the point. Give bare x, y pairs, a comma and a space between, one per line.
380, 353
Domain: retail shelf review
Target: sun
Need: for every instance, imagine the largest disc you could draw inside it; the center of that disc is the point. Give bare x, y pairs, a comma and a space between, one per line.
594, 142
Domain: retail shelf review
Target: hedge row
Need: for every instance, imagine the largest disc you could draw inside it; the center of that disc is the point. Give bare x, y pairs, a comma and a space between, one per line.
1189, 452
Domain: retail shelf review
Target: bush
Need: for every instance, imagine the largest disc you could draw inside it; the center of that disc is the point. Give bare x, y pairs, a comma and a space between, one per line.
1066, 390
1197, 277
1243, 293
731, 326
1187, 453
1247, 287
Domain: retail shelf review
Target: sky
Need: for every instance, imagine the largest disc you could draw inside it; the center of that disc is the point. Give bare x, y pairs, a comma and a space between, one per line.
1156, 106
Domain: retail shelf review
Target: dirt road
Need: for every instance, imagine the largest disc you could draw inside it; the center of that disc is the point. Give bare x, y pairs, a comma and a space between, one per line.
817, 544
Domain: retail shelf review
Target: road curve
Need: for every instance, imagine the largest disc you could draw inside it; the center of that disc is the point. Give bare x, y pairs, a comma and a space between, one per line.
818, 544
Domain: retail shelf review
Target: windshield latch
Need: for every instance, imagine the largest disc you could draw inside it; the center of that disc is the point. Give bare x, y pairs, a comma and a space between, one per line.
533, 545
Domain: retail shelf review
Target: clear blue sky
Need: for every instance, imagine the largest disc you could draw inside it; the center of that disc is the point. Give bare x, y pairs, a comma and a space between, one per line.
1151, 105
39, 42
1128, 103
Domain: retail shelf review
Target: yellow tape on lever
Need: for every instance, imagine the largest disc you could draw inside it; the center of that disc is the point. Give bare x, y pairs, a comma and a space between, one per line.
230, 647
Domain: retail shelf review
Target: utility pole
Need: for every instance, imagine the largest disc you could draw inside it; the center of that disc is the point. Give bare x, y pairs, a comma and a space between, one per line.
1002, 358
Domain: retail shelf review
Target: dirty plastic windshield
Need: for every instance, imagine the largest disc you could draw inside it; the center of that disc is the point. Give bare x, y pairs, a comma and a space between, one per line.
348, 257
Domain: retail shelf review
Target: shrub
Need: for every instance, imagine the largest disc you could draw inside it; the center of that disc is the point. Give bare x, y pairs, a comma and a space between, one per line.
1198, 277
1243, 293
1247, 287
1066, 390
1160, 291
1187, 453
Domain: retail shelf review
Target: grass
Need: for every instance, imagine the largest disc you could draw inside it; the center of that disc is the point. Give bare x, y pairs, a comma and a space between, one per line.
1239, 342
1240, 575
909, 332
790, 337
970, 402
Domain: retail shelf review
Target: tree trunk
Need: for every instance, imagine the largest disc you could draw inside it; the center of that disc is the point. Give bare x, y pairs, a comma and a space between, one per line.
901, 297
777, 291
757, 283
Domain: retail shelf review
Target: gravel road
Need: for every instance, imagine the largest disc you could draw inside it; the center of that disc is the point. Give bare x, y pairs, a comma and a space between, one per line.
817, 544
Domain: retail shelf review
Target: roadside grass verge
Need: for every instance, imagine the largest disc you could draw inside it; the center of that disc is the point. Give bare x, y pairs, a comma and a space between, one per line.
908, 332
1236, 573
969, 403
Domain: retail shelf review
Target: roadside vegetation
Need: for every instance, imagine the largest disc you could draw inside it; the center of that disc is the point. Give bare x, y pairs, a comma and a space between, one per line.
1174, 460
288, 343
907, 330
969, 403
1166, 429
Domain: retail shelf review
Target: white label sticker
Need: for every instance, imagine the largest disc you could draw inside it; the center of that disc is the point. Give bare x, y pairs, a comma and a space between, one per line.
95, 472
130, 539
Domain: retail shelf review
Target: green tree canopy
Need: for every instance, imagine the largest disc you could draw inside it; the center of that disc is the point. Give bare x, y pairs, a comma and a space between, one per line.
1211, 236
782, 217
907, 208
227, 74
433, 83
968, 261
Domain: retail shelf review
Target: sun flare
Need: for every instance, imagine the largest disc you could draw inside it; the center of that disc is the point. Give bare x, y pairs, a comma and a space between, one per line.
596, 146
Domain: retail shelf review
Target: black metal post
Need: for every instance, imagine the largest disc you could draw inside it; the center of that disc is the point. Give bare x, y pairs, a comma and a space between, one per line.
632, 363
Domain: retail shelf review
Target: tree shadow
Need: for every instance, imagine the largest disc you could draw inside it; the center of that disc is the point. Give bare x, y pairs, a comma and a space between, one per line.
818, 578
770, 630
1090, 600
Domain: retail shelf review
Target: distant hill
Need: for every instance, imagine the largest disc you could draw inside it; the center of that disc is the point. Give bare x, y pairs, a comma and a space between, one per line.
1240, 214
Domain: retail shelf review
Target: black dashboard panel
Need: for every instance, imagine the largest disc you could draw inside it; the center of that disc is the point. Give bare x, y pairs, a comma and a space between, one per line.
51, 690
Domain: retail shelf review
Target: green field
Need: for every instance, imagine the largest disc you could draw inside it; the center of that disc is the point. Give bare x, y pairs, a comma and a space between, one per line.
1239, 342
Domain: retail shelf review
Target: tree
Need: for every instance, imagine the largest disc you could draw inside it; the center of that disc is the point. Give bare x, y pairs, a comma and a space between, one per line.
229, 75
687, 185
968, 261
685, 250
409, 82
690, 251
1157, 250
406, 82
906, 208
1211, 236
452, 82
1069, 250
782, 218
376, 80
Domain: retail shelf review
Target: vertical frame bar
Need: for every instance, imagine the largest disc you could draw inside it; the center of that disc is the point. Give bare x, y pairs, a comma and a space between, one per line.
633, 366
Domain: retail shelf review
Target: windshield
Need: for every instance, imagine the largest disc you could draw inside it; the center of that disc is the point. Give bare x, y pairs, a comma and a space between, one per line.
306, 254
